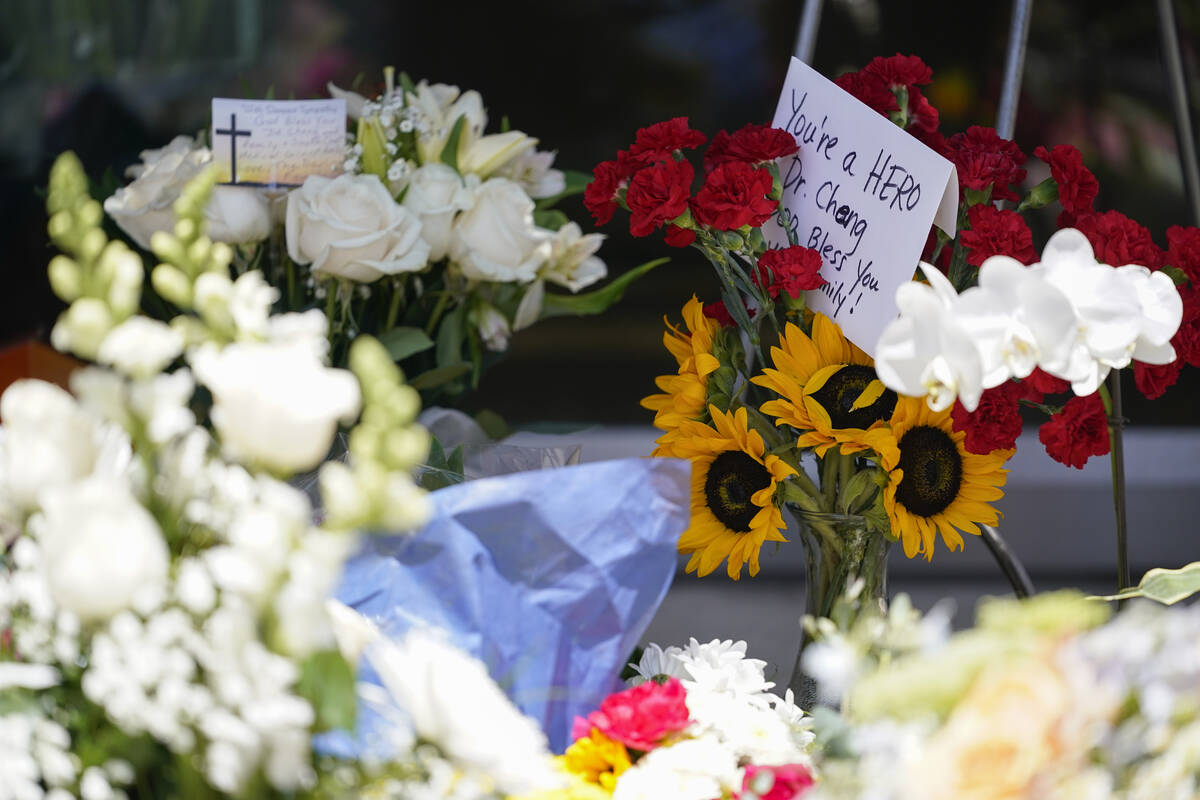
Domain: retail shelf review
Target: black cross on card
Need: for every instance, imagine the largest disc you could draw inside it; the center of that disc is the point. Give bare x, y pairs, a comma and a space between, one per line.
233, 133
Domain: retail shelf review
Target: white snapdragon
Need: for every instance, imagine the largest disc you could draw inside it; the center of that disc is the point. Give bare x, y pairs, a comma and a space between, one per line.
47, 441
432, 682
275, 405
141, 346
102, 550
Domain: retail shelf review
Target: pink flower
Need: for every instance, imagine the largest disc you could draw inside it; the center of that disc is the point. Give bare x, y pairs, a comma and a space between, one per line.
791, 780
641, 717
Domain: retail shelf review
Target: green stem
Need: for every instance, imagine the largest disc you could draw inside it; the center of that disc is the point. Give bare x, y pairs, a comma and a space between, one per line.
1111, 396
438, 309
829, 472
393, 309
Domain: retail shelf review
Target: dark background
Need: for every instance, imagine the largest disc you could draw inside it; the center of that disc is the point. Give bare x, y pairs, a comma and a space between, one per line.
109, 79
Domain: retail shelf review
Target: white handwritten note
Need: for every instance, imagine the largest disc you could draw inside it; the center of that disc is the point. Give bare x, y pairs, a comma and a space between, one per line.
863, 193
277, 142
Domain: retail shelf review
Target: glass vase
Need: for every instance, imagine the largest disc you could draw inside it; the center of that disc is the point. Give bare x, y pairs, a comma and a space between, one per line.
840, 550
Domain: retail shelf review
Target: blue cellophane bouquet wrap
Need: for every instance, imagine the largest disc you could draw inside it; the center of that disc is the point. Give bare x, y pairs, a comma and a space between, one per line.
549, 577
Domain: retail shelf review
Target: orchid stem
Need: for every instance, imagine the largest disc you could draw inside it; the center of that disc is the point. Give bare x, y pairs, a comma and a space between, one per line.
1111, 395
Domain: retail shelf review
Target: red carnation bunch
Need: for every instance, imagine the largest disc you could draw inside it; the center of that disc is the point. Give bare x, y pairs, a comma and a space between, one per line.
871, 90
657, 194
900, 71
641, 717
885, 81
1118, 240
734, 194
1078, 432
1183, 251
1038, 384
1153, 380
600, 196
985, 160
792, 270
753, 144
995, 423
997, 232
660, 141
1077, 186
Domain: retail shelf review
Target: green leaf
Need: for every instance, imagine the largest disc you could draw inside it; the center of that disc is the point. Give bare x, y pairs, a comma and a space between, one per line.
1176, 274
374, 152
1166, 586
270, 95
441, 471
551, 219
406, 83
505, 125
327, 682
450, 337
439, 376
576, 182
559, 305
403, 342
450, 151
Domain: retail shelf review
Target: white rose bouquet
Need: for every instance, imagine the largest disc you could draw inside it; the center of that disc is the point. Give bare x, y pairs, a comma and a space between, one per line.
438, 238
164, 623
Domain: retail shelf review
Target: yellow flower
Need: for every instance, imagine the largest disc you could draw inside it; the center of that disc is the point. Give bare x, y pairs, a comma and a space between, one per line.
574, 787
733, 493
597, 759
828, 388
935, 485
686, 392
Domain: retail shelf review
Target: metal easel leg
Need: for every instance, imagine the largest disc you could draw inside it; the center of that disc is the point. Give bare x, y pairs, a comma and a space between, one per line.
1014, 68
1185, 135
806, 39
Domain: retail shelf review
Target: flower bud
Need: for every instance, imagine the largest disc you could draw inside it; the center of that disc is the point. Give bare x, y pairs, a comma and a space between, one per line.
91, 245
403, 448
167, 247
172, 285
65, 278
84, 326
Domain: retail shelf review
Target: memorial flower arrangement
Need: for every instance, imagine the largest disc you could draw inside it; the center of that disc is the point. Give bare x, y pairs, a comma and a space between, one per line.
910, 445
436, 237
164, 620
697, 722
1043, 698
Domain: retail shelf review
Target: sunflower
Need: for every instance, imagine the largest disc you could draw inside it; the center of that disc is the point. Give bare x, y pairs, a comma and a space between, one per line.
828, 388
733, 493
935, 484
686, 392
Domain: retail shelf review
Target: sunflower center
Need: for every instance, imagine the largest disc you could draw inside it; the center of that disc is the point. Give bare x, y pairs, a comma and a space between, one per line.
733, 478
838, 394
933, 471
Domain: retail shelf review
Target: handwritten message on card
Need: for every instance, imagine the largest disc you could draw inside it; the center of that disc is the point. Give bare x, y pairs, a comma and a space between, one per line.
277, 142
863, 193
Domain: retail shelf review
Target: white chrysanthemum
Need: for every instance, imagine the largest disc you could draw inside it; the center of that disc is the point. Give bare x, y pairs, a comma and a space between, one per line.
655, 662
694, 769
454, 704
722, 667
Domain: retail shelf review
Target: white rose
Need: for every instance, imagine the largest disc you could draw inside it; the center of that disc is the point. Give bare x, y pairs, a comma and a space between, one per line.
435, 194
275, 405
235, 214
495, 239
101, 548
47, 440
350, 227
573, 263
141, 346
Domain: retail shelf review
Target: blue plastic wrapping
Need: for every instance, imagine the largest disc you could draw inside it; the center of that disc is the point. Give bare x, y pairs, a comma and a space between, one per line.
549, 577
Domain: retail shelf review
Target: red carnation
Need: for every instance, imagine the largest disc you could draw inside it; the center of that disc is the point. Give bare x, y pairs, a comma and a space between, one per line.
996, 232
995, 423
600, 194
1152, 380
1077, 186
1076, 433
629, 163
1183, 251
641, 717
984, 159
793, 269
753, 144
658, 193
790, 781
870, 89
1118, 240
733, 195
900, 70
720, 312
1039, 384
659, 141
679, 237
1186, 340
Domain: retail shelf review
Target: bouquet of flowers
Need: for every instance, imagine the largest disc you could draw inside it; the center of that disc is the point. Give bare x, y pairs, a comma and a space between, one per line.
164, 623
437, 238
697, 722
1043, 698
911, 445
